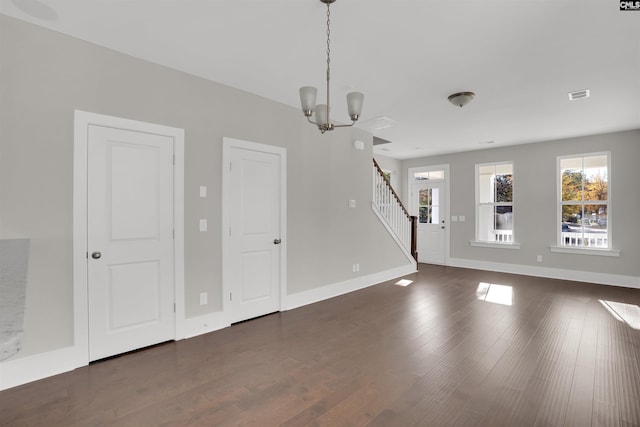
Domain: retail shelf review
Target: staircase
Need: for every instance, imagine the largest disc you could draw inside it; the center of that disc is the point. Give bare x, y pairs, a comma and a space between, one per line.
395, 217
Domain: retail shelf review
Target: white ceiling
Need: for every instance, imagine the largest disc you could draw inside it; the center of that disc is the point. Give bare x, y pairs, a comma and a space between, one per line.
520, 57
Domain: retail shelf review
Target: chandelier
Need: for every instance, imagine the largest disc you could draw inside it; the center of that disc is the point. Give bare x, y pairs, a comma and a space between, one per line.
308, 93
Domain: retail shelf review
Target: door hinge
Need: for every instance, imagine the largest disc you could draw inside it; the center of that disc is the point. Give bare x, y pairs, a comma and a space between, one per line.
174, 307
230, 166
230, 296
173, 233
86, 254
174, 159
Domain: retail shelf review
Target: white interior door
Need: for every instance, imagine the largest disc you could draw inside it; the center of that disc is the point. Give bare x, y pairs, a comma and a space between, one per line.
430, 208
255, 233
130, 240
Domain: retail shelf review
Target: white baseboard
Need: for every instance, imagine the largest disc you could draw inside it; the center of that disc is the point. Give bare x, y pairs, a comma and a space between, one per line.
551, 273
215, 321
315, 295
14, 372
206, 323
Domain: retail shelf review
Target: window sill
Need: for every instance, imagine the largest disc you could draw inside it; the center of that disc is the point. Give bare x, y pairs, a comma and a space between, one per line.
483, 244
585, 251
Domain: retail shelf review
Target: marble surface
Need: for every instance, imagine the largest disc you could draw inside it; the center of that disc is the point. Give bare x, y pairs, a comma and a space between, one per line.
14, 259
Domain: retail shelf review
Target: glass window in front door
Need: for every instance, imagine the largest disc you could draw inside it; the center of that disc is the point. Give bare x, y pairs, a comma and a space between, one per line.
429, 206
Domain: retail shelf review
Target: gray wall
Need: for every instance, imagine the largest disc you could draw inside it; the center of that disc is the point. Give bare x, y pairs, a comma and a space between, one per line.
535, 211
45, 76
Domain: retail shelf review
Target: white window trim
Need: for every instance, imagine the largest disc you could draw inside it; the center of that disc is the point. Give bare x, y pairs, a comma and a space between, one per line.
503, 245
585, 251
487, 243
559, 247
434, 168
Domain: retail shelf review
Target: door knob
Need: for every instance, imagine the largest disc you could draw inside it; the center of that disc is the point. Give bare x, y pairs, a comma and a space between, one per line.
277, 241
96, 255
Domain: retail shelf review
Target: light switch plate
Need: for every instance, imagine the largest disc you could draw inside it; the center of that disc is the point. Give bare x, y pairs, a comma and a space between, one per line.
352, 203
454, 218
203, 225
461, 218
203, 191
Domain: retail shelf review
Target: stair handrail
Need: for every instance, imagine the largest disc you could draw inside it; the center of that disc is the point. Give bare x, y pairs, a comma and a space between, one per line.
395, 195
411, 218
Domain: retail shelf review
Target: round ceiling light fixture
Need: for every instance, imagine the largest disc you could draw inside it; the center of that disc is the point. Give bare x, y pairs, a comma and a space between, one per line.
461, 99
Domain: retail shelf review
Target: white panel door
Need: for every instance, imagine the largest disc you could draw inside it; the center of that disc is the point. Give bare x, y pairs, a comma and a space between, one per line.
254, 240
429, 206
130, 240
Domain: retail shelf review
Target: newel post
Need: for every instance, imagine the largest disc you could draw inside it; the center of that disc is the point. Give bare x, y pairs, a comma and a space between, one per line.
414, 237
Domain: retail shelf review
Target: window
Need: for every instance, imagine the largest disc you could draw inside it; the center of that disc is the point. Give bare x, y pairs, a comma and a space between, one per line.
426, 175
494, 203
584, 201
429, 205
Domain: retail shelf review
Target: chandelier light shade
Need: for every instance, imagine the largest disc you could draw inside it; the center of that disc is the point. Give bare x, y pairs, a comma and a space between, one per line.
308, 94
461, 99
354, 104
322, 115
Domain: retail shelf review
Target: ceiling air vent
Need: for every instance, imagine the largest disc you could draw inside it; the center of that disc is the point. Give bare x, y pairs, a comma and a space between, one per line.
579, 94
373, 125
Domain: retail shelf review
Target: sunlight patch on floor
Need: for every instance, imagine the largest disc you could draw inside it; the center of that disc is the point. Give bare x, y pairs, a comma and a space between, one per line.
404, 282
626, 313
498, 294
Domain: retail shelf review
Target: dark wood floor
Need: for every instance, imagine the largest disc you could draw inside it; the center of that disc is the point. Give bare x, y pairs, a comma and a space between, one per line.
430, 354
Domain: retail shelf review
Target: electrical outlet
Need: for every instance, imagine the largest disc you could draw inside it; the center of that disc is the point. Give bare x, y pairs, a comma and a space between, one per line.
203, 225
203, 191
352, 203
203, 298
539, 258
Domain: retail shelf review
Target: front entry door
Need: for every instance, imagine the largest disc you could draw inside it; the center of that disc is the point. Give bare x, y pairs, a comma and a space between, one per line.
130, 240
429, 202
255, 239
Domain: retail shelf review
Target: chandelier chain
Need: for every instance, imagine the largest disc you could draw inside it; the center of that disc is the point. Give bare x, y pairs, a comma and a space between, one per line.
328, 39
328, 124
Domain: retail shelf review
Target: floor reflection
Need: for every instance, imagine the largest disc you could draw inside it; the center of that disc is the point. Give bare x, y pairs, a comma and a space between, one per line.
498, 294
625, 313
404, 282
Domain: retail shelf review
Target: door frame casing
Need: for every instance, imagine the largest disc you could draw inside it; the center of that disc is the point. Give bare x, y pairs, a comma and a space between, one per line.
82, 121
447, 190
227, 145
